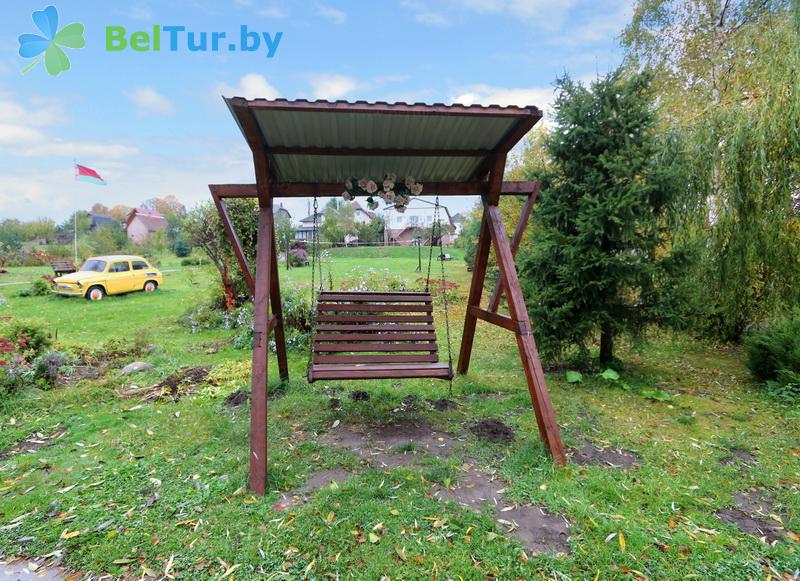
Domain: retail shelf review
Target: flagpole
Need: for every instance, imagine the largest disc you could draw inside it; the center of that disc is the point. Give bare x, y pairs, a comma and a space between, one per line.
75, 222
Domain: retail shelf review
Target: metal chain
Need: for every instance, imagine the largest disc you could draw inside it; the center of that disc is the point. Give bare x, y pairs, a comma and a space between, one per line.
433, 237
443, 289
315, 259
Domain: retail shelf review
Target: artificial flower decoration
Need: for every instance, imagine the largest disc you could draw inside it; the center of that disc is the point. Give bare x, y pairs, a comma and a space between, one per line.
49, 45
393, 191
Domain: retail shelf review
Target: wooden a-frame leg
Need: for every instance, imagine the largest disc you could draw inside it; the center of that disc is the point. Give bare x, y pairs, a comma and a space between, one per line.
277, 313
516, 240
540, 397
258, 398
474, 298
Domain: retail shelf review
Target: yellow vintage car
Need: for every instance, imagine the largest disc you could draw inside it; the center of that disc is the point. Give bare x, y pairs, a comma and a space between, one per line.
109, 275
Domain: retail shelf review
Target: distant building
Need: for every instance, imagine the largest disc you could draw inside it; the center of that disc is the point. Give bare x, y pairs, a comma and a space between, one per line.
403, 228
143, 223
305, 231
100, 221
279, 212
362, 216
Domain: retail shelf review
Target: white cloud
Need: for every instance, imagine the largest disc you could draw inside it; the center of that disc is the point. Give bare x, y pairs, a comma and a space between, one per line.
425, 15
333, 14
140, 11
75, 149
150, 101
273, 11
492, 95
12, 133
22, 132
251, 86
331, 86
599, 27
544, 13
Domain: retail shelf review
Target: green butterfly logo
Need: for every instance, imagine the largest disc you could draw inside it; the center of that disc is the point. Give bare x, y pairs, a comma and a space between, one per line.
48, 47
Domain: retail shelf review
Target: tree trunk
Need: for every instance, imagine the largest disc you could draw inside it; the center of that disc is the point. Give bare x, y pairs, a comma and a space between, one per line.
606, 343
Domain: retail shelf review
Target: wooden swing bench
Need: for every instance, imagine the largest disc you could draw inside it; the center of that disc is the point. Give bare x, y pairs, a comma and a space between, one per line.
375, 335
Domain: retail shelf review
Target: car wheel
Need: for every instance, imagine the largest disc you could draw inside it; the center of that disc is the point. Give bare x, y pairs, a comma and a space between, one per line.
96, 293
150, 286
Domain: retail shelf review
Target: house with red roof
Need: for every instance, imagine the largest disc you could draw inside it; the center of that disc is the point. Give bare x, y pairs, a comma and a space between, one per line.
142, 223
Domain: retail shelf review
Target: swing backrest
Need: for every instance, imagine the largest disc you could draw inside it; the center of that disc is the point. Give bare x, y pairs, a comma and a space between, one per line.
373, 335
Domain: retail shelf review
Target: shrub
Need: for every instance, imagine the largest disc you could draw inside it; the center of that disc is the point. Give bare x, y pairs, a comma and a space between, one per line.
298, 257
29, 337
49, 366
181, 248
296, 310
191, 262
40, 288
773, 356
376, 280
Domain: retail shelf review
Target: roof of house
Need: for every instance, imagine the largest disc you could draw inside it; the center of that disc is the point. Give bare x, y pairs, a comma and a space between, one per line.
280, 208
330, 142
100, 220
310, 218
357, 207
151, 219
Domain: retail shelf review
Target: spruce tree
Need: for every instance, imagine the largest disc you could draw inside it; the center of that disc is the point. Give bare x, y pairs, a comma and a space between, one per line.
600, 262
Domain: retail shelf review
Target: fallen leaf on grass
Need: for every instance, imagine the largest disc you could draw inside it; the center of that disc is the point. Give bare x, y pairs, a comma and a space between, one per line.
373, 538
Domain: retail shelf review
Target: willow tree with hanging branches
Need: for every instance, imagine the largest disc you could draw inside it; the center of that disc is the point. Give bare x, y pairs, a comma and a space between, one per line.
727, 76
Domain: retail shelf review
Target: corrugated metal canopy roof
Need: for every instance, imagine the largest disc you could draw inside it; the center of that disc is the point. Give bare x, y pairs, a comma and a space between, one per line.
324, 141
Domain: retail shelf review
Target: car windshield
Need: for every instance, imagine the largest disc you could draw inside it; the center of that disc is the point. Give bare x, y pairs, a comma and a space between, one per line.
94, 266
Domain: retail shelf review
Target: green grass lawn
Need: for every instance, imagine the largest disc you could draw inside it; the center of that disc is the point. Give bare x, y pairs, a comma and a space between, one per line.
141, 488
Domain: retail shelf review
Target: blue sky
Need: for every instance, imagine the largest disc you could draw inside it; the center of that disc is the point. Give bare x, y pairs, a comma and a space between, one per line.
153, 123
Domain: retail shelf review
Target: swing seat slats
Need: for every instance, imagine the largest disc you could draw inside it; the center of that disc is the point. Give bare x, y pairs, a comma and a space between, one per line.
375, 335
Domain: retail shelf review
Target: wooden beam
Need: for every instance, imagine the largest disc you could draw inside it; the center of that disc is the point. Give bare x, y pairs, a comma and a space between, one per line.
516, 240
234, 240
258, 399
373, 152
497, 319
308, 190
509, 140
238, 103
478, 274
276, 323
540, 397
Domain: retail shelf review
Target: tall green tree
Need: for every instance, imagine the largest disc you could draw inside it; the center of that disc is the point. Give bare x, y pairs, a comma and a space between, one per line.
728, 78
601, 262
284, 235
338, 222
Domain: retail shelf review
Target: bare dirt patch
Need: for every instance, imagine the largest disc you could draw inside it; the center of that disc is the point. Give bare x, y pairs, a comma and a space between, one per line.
738, 456
493, 430
534, 527
314, 482
397, 444
540, 531
178, 384
32, 443
475, 490
236, 398
752, 516
359, 395
590, 455
443, 404
83, 373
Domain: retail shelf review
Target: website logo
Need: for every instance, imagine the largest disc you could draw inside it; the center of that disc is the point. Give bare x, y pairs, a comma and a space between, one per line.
49, 46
